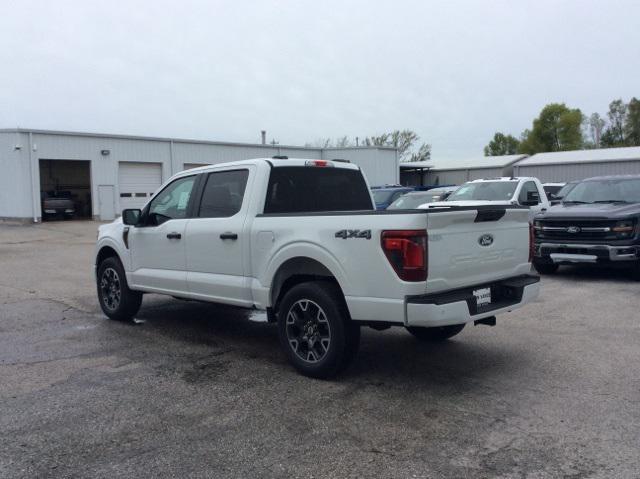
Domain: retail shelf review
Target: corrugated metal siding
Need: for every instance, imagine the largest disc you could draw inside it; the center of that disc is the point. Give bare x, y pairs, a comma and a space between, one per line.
569, 172
104, 168
446, 177
478, 174
457, 177
15, 179
380, 166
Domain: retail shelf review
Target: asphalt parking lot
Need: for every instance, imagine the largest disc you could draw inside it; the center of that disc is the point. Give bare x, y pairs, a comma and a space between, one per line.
199, 390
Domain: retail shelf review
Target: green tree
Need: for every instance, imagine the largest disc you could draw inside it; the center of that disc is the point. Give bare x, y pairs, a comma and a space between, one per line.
502, 145
632, 123
557, 128
614, 134
405, 141
595, 125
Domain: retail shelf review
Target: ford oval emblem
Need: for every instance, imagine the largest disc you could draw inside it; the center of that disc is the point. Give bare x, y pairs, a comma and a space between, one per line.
573, 229
485, 240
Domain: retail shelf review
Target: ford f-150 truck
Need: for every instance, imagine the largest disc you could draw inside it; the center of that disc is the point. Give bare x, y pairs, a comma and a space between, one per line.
302, 240
522, 191
597, 222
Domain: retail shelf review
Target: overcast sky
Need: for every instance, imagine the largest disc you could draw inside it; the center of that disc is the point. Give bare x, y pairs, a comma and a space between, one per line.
453, 71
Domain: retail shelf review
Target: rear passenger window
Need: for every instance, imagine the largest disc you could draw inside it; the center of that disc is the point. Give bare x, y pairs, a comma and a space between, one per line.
223, 193
300, 189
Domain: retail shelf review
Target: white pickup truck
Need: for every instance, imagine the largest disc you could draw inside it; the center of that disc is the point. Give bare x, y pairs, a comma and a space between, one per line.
301, 239
523, 191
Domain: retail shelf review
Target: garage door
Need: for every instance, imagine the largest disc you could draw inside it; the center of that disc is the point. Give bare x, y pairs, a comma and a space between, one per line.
188, 166
137, 182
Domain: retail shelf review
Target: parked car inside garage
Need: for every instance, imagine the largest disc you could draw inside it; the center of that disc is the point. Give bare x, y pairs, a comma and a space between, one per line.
57, 204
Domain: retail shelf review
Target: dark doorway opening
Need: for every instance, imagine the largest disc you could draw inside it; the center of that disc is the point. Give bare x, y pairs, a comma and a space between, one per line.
65, 189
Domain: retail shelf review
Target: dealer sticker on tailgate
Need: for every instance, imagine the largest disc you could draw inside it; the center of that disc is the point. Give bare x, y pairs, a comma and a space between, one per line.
483, 296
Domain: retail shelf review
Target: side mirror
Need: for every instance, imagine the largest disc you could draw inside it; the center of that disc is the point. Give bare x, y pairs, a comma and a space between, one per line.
131, 217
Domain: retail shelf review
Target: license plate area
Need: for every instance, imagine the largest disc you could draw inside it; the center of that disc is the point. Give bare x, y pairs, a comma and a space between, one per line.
483, 297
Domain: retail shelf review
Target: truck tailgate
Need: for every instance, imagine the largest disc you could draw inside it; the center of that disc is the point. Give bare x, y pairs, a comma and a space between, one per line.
476, 246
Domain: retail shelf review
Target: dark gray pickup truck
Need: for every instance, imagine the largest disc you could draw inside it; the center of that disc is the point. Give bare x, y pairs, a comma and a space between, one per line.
57, 204
597, 222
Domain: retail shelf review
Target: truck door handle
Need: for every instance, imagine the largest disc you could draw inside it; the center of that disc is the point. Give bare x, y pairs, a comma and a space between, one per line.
231, 236
174, 235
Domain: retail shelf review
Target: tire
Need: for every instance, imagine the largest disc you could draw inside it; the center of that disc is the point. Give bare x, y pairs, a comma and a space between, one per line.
315, 331
545, 268
116, 299
437, 334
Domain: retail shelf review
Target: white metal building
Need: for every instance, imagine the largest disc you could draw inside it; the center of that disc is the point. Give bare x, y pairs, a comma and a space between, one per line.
107, 173
577, 165
456, 173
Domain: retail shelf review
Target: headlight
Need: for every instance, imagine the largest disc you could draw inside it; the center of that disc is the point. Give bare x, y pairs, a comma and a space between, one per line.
623, 229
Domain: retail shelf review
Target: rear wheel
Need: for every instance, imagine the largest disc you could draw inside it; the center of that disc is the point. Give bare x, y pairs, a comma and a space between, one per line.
439, 333
116, 299
315, 330
545, 268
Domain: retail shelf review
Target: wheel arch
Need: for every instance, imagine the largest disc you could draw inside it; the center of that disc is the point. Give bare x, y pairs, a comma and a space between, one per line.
105, 252
296, 270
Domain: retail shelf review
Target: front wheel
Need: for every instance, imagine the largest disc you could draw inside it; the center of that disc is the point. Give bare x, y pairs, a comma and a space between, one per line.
439, 333
545, 268
116, 299
315, 330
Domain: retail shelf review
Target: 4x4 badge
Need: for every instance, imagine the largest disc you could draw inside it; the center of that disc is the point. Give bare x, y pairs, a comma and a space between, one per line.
344, 234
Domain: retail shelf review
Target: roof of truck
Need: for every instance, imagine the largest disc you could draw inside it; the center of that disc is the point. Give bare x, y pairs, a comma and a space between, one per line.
612, 177
277, 162
503, 178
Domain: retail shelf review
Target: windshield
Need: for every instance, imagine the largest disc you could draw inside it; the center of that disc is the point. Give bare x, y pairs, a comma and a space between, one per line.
605, 191
411, 201
383, 196
485, 190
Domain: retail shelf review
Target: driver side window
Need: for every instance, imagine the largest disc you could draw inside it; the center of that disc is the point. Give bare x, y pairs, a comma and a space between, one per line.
172, 202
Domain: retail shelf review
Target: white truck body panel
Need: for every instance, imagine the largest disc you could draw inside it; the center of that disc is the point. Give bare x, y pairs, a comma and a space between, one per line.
202, 266
514, 200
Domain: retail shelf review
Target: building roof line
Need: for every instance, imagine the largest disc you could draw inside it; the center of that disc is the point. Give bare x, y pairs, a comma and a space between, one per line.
183, 140
483, 162
597, 155
577, 162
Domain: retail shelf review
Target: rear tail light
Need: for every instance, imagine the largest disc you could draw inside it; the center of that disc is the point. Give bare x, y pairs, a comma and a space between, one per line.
532, 243
406, 251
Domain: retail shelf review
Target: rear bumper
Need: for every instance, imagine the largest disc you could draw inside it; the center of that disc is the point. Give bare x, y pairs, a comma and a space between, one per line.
58, 211
585, 253
459, 306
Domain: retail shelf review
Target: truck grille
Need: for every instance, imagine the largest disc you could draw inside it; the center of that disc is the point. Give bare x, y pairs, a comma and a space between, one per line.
575, 229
